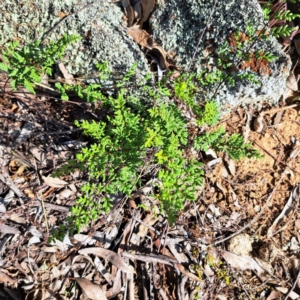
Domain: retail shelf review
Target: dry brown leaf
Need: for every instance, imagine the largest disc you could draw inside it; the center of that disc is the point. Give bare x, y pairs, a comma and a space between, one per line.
130, 16
274, 296
278, 118
17, 219
292, 82
187, 273
103, 271
180, 256
68, 77
245, 262
147, 8
140, 36
54, 182
6, 279
128, 12
84, 239
137, 9
161, 55
8, 229
285, 290
29, 193
289, 206
230, 164
259, 123
109, 255
149, 220
131, 203
82, 257
93, 291
156, 52
117, 284
61, 14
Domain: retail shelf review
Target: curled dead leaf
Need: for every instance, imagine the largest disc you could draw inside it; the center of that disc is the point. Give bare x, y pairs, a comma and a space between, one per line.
259, 123
128, 12
6, 279
111, 256
284, 290
147, 8
140, 36
246, 262
92, 290
290, 205
292, 82
54, 182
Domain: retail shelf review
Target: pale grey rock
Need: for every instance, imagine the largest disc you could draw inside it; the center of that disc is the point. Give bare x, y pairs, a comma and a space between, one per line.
101, 26
176, 24
179, 26
240, 244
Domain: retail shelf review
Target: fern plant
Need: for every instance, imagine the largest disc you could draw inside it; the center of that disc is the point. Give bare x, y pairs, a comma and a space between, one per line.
276, 19
26, 65
233, 144
131, 143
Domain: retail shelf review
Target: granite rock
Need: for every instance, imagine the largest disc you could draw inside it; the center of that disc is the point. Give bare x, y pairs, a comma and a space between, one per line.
186, 27
102, 27
178, 25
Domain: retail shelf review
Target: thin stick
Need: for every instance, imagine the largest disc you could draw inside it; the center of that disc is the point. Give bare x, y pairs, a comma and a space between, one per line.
150, 259
294, 285
146, 225
44, 211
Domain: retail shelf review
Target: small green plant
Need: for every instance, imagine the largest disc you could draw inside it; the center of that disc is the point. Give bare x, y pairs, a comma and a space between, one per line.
265, 55
233, 144
209, 78
197, 295
217, 266
26, 65
131, 141
282, 31
237, 48
277, 18
198, 270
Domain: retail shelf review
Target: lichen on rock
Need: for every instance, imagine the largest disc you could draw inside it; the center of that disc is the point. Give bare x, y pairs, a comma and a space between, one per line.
101, 26
188, 27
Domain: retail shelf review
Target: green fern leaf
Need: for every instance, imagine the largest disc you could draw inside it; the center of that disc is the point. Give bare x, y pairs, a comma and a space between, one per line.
29, 86
4, 67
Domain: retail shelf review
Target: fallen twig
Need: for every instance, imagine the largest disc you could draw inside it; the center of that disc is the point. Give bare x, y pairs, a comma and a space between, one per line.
150, 258
294, 285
